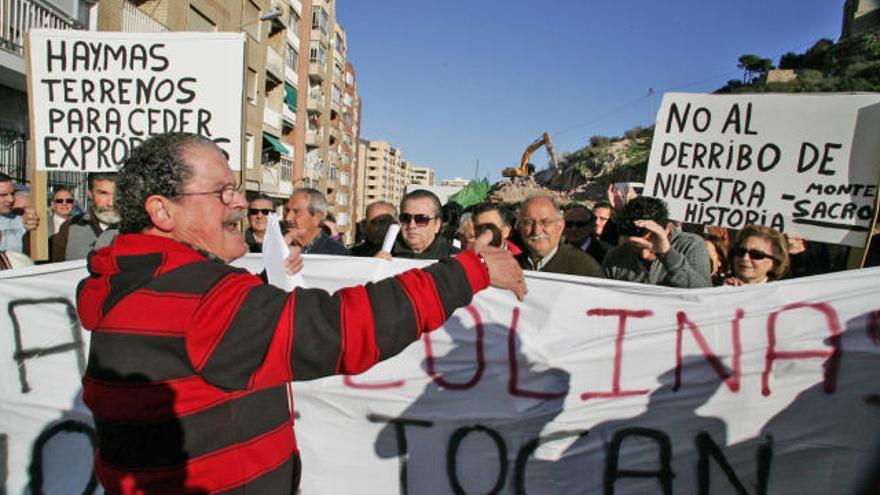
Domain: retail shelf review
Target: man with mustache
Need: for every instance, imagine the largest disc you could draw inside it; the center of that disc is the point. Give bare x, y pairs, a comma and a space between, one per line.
540, 224
191, 359
77, 237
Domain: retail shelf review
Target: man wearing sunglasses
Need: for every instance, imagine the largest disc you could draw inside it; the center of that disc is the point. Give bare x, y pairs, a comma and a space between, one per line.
61, 209
258, 220
420, 223
579, 227
191, 358
654, 251
79, 235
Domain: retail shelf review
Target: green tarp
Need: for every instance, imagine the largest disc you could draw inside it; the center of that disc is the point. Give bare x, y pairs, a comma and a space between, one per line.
276, 143
473, 193
290, 96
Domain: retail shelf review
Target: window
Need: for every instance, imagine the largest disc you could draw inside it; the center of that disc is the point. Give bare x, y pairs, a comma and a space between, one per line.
331, 172
343, 179
341, 198
342, 219
196, 21
251, 88
292, 58
320, 19
340, 45
286, 166
251, 22
293, 22
317, 53
249, 150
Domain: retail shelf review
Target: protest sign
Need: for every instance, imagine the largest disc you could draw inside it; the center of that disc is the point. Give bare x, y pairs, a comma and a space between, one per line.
588, 386
805, 163
94, 96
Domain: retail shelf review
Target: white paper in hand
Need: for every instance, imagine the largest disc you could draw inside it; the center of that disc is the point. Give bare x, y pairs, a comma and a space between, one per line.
390, 236
275, 251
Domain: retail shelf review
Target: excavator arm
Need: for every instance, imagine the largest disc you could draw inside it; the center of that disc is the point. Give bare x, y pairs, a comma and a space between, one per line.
525, 168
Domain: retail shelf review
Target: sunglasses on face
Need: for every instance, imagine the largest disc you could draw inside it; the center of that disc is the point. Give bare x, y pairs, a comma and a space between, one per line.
754, 254
61, 201
256, 211
420, 219
570, 224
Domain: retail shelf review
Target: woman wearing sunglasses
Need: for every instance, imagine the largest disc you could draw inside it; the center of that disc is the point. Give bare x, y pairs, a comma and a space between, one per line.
759, 255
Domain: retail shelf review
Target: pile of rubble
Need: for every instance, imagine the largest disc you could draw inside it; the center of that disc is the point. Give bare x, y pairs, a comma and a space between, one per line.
565, 190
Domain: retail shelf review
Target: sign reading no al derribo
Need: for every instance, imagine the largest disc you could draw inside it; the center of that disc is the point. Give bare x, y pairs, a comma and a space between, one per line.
798, 163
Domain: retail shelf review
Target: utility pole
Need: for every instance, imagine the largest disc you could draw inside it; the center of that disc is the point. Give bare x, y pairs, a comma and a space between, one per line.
650, 106
477, 172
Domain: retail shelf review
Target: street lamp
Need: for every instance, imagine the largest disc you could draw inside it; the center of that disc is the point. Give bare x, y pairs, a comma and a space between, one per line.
273, 14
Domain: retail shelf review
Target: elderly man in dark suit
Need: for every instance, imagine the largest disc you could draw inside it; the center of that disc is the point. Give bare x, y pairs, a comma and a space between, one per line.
540, 224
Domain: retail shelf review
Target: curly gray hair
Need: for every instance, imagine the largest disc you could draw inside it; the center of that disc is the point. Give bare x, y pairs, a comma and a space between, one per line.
154, 167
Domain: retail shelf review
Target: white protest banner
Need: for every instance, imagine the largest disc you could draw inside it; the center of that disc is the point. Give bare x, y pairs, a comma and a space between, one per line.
95, 95
805, 163
588, 386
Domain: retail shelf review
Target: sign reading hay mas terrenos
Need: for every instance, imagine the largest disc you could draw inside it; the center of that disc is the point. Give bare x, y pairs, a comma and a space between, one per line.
96, 95
799, 163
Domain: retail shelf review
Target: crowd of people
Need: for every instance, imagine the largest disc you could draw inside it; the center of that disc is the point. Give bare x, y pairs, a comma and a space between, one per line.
632, 240
629, 239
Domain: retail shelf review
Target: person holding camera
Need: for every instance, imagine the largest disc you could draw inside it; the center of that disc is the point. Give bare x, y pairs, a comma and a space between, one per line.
654, 251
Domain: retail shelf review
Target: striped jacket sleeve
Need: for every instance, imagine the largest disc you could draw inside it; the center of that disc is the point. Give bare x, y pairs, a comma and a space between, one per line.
251, 335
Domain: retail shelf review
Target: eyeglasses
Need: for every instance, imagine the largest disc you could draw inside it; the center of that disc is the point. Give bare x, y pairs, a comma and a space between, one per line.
570, 224
544, 223
60, 201
257, 211
420, 219
755, 254
226, 193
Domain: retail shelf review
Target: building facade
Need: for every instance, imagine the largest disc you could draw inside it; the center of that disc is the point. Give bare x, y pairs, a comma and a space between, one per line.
423, 176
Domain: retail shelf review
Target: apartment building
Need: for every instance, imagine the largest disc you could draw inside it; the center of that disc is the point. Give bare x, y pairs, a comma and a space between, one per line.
423, 176
385, 173
333, 109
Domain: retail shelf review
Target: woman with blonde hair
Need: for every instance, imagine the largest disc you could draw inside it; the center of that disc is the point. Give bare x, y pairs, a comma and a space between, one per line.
759, 254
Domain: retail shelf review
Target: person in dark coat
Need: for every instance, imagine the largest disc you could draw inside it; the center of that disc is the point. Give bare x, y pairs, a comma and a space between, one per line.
540, 224
306, 210
420, 223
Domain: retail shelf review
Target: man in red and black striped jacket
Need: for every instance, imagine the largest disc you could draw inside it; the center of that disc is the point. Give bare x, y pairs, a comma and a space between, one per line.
190, 357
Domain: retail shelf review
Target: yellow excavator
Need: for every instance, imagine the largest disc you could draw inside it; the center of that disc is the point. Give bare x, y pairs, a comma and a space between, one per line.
527, 169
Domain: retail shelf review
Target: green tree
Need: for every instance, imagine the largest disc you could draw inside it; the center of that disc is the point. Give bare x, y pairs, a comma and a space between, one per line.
753, 67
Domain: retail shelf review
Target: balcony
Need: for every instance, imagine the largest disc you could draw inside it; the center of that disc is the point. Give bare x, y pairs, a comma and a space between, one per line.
313, 138
288, 114
134, 20
17, 17
274, 63
317, 69
297, 7
291, 75
293, 38
272, 120
315, 103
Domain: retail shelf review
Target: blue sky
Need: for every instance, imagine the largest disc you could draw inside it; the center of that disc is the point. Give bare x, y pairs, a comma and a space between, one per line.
453, 82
